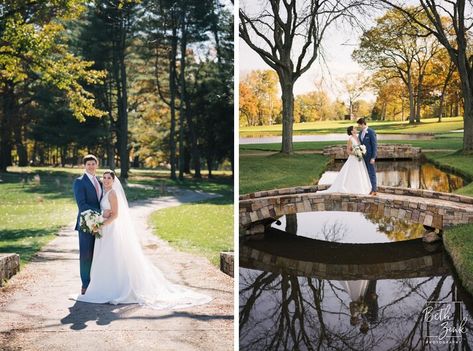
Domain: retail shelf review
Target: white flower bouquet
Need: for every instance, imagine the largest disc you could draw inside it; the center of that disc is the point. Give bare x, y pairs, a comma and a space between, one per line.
359, 151
91, 221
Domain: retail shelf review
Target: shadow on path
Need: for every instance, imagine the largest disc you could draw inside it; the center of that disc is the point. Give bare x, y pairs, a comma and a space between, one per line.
104, 314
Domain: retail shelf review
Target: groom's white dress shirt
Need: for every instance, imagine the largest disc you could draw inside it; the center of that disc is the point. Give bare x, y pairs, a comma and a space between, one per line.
94, 181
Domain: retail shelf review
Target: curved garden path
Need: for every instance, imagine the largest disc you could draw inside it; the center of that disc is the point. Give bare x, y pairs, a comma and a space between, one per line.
36, 314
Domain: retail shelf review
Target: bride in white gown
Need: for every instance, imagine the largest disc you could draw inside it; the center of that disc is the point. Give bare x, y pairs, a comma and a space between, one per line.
353, 178
120, 272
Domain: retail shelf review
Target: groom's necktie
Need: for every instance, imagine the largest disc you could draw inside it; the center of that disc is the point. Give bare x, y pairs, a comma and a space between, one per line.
363, 133
97, 187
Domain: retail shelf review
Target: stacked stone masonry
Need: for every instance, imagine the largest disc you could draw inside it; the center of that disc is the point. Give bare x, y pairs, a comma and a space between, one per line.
227, 262
385, 151
9, 266
433, 209
424, 266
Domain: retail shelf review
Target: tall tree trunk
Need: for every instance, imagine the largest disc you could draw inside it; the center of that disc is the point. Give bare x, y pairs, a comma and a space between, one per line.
287, 96
18, 135
187, 156
465, 71
172, 102
291, 223
209, 165
194, 146
185, 101
419, 98
183, 94
441, 104
412, 110
63, 151
123, 106
5, 126
468, 123
444, 90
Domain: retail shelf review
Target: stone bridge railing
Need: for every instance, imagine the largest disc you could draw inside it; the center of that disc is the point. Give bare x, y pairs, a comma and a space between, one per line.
432, 209
385, 151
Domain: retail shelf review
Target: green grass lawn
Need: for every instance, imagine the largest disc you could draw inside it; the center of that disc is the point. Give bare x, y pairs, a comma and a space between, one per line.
427, 125
452, 141
459, 244
204, 228
32, 211
279, 171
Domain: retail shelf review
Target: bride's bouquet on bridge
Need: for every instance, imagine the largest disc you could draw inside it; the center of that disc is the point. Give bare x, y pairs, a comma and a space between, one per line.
359, 151
90, 222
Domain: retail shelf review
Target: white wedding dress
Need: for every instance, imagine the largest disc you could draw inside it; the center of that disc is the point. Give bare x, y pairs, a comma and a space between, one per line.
353, 178
122, 274
356, 289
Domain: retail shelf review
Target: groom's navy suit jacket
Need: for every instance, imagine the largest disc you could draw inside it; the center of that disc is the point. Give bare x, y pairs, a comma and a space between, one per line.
371, 144
86, 196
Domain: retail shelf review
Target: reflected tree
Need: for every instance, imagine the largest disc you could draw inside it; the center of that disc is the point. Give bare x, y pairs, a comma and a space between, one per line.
285, 312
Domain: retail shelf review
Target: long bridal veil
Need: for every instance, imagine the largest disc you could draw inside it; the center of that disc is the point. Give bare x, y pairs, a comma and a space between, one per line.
147, 283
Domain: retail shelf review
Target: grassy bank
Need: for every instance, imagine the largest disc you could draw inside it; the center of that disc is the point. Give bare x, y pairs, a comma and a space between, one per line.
459, 240
459, 244
458, 163
279, 171
36, 202
427, 125
452, 142
204, 228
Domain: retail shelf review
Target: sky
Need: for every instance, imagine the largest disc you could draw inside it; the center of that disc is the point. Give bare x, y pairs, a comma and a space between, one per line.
338, 45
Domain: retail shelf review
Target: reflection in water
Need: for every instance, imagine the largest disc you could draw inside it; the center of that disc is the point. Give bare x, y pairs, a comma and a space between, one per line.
407, 174
349, 227
298, 294
285, 312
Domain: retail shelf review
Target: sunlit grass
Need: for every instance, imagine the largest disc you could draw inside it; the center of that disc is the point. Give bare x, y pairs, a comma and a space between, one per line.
427, 125
204, 228
279, 171
35, 202
452, 141
459, 244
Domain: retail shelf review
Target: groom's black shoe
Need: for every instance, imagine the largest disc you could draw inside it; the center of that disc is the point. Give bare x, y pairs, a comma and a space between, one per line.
83, 291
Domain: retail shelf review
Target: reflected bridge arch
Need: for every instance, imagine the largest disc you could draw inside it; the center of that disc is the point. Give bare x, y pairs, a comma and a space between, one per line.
288, 253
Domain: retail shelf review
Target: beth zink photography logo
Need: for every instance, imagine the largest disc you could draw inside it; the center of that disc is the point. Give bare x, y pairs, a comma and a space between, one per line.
446, 322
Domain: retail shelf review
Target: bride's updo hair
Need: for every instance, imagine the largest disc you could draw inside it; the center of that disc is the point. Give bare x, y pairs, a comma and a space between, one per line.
349, 130
109, 171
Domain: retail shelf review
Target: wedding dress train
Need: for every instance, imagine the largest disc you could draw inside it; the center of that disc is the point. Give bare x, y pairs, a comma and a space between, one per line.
353, 178
122, 274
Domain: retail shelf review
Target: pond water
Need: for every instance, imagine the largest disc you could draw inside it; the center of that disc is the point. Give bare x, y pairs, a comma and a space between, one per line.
281, 311
331, 137
407, 174
348, 227
283, 308
353, 281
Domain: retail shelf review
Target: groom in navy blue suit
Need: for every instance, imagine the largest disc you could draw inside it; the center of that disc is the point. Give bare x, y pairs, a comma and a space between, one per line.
367, 137
87, 192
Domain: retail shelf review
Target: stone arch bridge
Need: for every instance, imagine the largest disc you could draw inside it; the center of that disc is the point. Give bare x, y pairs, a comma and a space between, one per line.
432, 209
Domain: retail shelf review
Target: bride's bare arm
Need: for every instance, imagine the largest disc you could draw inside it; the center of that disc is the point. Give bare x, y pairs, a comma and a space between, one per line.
349, 148
112, 198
